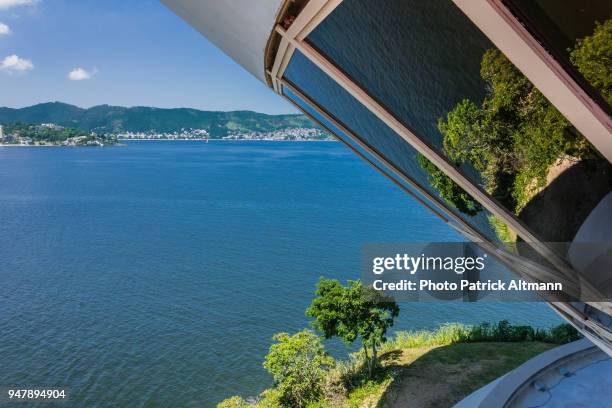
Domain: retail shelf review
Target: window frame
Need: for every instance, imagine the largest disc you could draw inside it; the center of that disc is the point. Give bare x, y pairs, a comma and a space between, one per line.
532, 64
547, 74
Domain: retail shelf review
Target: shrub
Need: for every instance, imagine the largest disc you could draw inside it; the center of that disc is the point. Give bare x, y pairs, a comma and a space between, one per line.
233, 402
270, 398
297, 364
505, 234
564, 333
452, 333
328, 385
448, 189
593, 58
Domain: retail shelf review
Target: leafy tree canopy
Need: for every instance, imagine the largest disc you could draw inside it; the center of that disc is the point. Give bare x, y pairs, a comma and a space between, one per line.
512, 139
448, 189
593, 58
297, 363
353, 311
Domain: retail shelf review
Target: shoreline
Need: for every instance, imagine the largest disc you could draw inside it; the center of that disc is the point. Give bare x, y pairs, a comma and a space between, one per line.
58, 145
171, 140
17, 145
224, 140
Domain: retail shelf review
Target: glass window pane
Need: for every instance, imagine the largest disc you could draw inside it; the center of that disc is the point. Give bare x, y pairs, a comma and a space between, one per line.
418, 58
348, 111
340, 134
435, 71
576, 32
523, 250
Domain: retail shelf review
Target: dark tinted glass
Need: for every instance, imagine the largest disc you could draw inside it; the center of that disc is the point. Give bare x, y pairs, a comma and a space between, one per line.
418, 58
498, 270
564, 22
342, 106
428, 64
345, 138
561, 25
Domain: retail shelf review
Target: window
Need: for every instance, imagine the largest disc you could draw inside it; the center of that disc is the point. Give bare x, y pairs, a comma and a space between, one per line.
577, 33
433, 70
343, 107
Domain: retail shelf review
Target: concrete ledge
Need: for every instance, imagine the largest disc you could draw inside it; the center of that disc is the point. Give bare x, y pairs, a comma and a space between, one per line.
501, 391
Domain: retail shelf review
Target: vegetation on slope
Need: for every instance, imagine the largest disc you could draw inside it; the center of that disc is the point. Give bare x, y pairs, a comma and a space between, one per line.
14, 133
515, 135
113, 119
381, 373
422, 369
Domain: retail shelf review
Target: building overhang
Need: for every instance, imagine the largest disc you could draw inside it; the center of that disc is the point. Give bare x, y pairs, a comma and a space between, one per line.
235, 26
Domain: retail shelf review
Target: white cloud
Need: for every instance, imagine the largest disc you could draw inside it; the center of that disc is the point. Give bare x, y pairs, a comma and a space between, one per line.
13, 63
4, 29
5, 4
80, 74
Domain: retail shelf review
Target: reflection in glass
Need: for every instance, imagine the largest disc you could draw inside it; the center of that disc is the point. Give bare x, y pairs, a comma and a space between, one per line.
531, 159
434, 70
576, 32
310, 110
342, 106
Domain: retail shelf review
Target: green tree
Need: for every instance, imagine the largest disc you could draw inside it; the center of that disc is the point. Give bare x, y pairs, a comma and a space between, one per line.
298, 364
512, 139
593, 58
353, 311
464, 136
448, 189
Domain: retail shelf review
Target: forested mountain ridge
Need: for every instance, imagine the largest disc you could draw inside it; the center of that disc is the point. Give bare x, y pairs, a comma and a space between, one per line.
114, 119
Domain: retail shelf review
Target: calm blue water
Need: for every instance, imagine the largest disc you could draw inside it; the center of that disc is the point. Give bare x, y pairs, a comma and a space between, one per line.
155, 274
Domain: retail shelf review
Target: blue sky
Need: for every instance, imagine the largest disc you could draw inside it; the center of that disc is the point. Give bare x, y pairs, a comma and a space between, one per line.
124, 52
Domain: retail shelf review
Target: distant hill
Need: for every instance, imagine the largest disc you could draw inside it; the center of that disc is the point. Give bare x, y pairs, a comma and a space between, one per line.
105, 118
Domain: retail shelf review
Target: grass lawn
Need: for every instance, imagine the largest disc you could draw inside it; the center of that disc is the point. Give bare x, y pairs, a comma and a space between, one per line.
440, 376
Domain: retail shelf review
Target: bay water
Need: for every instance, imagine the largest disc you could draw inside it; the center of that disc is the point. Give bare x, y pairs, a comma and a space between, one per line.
156, 273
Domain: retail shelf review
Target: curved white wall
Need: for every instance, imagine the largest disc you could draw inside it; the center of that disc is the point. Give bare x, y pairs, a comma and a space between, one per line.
240, 28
